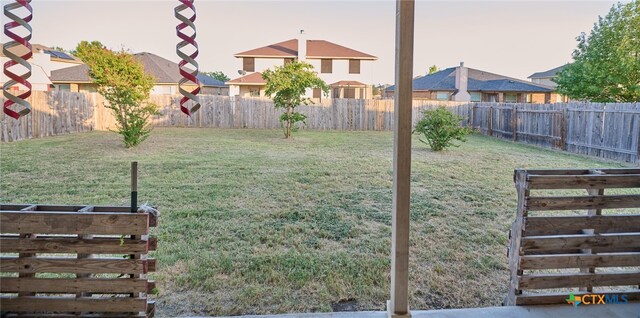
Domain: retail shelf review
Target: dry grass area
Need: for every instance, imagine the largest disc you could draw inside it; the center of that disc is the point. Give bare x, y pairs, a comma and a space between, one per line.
252, 223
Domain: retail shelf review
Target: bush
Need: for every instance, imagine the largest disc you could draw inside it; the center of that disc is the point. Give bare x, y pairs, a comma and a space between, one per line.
440, 128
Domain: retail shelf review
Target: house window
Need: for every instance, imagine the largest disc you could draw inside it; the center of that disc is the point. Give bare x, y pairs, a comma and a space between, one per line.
254, 92
354, 66
288, 60
442, 95
317, 93
476, 96
248, 64
349, 93
510, 98
326, 66
336, 93
492, 98
63, 87
529, 98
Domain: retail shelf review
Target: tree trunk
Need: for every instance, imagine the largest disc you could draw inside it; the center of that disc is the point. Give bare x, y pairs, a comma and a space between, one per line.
288, 132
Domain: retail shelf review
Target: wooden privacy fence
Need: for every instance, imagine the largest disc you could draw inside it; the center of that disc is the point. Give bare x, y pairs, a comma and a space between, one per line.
75, 261
610, 131
584, 246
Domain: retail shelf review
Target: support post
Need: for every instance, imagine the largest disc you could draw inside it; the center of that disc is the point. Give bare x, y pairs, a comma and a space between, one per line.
398, 306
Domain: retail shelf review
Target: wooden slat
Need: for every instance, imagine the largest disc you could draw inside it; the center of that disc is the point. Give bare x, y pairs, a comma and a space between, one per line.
74, 245
554, 225
547, 172
582, 202
584, 181
80, 266
564, 280
560, 242
576, 261
548, 299
579, 251
73, 223
72, 285
79, 315
48, 304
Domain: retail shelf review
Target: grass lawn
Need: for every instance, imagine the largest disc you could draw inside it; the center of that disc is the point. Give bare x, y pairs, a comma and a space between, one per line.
253, 223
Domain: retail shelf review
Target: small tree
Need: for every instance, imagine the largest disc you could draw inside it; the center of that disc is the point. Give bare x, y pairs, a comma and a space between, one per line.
123, 83
440, 128
432, 69
219, 75
288, 84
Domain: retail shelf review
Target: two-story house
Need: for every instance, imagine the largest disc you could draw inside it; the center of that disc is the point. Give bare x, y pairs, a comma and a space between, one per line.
44, 60
345, 70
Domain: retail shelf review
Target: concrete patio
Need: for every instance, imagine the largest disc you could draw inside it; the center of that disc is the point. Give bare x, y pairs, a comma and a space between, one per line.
630, 310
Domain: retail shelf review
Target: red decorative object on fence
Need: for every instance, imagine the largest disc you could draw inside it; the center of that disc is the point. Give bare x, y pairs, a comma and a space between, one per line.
187, 41
15, 59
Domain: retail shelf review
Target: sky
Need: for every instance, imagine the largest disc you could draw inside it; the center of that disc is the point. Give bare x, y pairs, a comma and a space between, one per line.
513, 38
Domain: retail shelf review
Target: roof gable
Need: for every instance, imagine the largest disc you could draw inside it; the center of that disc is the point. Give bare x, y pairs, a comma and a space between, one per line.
315, 49
550, 73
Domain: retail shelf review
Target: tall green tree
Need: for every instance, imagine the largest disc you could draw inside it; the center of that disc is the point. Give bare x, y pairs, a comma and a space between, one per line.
288, 85
432, 69
219, 75
124, 84
606, 65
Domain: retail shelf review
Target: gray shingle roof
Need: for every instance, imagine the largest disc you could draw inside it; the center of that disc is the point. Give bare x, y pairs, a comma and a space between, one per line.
74, 74
479, 81
163, 71
207, 80
550, 73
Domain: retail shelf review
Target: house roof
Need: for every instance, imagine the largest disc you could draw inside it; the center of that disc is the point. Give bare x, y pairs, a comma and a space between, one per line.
251, 79
55, 54
74, 74
550, 73
162, 70
478, 81
348, 84
315, 49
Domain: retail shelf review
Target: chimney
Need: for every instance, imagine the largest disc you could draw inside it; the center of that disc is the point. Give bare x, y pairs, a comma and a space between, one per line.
302, 46
462, 80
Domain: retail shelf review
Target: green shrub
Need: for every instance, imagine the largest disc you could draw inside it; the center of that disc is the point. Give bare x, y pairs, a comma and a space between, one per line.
439, 128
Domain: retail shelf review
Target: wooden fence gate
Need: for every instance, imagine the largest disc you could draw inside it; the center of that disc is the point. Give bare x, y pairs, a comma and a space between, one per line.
589, 244
75, 261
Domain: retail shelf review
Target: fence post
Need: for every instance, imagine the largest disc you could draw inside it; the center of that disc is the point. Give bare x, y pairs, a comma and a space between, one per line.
514, 122
473, 111
563, 129
490, 128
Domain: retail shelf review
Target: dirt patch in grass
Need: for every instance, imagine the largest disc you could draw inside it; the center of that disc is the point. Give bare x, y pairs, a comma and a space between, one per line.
253, 224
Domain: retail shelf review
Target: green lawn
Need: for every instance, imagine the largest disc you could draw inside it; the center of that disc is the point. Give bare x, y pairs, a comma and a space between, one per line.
253, 223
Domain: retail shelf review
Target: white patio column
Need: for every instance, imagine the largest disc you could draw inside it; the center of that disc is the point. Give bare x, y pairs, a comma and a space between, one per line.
398, 306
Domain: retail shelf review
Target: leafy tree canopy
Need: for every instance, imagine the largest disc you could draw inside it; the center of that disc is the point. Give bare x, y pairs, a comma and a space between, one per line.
124, 84
606, 65
433, 69
219, 75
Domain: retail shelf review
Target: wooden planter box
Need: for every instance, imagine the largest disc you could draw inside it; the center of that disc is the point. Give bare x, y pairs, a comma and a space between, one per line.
568, 243
75, 261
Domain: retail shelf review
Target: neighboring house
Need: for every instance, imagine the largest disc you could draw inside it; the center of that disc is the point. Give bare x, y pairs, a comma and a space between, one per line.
43, 61
344, 69
546, 78
165, 73
467, 84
